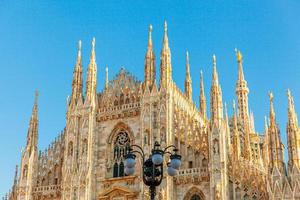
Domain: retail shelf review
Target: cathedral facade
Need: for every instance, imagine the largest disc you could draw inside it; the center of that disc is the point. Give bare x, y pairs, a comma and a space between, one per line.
223, 158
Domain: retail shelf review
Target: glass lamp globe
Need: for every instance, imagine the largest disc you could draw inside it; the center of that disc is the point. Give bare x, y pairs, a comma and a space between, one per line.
175, 161
171, 171
129, 162
157, 158
129, 171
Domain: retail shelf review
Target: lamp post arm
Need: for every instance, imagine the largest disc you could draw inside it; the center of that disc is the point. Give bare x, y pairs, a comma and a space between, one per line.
168, 147
168, 152
141, 154
140, 148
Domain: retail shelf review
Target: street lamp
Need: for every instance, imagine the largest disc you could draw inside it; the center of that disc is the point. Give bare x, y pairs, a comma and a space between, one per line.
153, 166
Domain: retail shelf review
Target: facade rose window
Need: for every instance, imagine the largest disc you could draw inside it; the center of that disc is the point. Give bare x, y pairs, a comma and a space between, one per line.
121, 148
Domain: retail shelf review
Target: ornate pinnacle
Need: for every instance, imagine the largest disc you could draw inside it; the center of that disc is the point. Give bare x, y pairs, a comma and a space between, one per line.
272, 112
165, 40
291, 108
36, 97
150, 36
202, 96
188, 82
79, 53
79, 45
201, 83
93, 42
271, 97
93, 49
106, 77
290, 98
187, 64
215, 73
35, 105
214, 59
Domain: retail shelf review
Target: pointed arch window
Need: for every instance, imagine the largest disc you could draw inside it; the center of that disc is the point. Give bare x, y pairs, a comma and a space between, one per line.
25, 171
70, 148
84, 146
195, 197
121, 148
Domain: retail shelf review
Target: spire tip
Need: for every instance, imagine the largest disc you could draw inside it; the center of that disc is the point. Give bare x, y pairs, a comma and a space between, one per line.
79, 45
165, 26
271, 96
239, 55
36, 97
93, 42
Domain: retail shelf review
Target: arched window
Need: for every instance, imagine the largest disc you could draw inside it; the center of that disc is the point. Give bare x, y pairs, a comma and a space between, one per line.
204, 162
195, 197
25, 171
121, 99
246, 197
121, 148
70, 148
84, 146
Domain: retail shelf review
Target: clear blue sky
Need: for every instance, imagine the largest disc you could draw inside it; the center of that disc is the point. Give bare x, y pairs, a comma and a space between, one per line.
38, 44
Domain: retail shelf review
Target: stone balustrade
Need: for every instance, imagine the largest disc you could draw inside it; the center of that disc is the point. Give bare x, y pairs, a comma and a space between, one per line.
192, 175
48, 188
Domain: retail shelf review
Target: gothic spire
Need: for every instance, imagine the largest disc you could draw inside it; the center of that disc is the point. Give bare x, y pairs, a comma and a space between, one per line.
188, 80
202, 97
293, 134
165, 39
150, 71
32, 136
292, 115
91, 81
275, 144
106, 77
165, 61
216, 105
16, 176
215, 77
272, 112
240, 65
243, 111
77, 77
266, 124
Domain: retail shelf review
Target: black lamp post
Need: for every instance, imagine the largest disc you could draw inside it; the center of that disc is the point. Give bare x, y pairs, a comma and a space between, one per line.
153, 166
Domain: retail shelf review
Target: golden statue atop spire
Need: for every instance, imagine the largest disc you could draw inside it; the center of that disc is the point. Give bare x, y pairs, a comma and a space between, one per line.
239, 55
